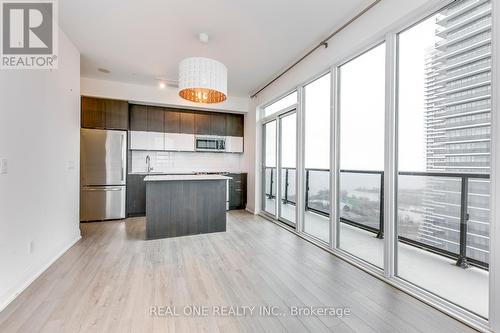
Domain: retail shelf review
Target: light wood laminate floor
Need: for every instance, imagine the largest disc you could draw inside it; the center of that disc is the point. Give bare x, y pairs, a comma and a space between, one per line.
109, 281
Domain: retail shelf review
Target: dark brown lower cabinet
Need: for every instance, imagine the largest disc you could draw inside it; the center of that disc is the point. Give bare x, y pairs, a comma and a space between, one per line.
238, 191
136, 195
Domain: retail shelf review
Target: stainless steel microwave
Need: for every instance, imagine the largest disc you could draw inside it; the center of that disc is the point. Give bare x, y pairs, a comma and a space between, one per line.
210, 143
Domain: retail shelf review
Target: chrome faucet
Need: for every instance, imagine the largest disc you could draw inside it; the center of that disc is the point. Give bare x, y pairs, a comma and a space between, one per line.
148, 163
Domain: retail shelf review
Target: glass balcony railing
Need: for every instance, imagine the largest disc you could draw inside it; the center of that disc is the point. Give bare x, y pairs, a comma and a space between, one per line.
441, 212
361, 200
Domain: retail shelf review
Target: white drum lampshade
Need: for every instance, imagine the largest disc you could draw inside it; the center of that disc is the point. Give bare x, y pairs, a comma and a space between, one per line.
202, 80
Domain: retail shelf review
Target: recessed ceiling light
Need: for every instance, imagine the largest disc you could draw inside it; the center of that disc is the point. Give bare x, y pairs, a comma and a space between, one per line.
104, 70
203, 37
164, 82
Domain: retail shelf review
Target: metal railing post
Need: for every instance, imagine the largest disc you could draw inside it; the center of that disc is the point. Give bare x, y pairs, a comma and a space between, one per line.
307, 189
271, 185
464, 218
380, 234
286, 186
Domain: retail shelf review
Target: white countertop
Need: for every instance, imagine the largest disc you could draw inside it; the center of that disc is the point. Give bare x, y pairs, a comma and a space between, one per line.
165, 178
160, 173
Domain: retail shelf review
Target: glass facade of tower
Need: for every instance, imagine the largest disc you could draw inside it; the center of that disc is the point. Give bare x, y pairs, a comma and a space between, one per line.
457, 125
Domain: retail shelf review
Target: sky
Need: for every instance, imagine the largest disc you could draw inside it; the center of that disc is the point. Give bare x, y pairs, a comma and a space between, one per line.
362, 110
412, 45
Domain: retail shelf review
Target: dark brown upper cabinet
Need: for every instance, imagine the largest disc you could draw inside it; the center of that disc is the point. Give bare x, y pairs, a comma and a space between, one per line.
156, 119
116, 114
93, 112
104, 113
187, 122
234, 125
147, 118
202, 123
172, 121
218, 124
139, 118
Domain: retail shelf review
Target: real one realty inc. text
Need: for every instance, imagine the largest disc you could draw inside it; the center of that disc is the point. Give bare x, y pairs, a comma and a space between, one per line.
247, 311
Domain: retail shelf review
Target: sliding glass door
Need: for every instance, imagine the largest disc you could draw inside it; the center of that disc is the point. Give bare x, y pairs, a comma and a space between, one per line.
269, 167
279, 154
288, 166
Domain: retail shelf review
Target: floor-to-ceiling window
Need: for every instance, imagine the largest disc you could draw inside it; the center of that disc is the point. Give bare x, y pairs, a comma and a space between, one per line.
444, 107
317, 98
361, 110
288, 166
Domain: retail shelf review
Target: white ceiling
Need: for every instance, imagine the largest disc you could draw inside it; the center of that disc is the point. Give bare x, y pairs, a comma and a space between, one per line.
141, 40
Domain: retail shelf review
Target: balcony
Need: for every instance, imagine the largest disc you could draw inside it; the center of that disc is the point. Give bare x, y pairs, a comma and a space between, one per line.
465, 109
457, 10
472, 69
465, 123
466, 32
362, 206
457, 152
463, 54
463, 20
463, 138
443, 228
467, 83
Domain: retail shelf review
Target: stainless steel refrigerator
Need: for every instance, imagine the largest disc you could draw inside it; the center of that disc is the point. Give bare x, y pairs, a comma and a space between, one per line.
103, 155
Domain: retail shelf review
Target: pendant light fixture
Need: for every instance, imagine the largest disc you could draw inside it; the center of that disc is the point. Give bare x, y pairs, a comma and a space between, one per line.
202, 80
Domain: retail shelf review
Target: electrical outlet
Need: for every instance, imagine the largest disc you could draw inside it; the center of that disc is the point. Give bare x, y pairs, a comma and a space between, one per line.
32, 247
3, 166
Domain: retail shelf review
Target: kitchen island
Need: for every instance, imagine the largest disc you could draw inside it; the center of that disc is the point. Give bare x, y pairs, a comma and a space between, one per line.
180, 205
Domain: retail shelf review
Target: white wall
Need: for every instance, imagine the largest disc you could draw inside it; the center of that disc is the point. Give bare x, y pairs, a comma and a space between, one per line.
384, 17
39, 196
167, 96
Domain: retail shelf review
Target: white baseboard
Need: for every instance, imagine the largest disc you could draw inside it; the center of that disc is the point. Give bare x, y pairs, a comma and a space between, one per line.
249, 210
13, 292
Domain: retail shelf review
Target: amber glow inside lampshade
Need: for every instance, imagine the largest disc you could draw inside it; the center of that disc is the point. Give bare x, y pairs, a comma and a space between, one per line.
202, 80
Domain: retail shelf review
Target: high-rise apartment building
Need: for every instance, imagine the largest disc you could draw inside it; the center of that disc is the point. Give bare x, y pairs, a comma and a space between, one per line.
457, 122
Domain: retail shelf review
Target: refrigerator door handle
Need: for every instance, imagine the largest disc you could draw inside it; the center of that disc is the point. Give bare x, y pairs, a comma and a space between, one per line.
102, 189
123, 158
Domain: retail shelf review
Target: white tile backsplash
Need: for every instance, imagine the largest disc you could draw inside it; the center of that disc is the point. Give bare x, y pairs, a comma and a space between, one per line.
185, 162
